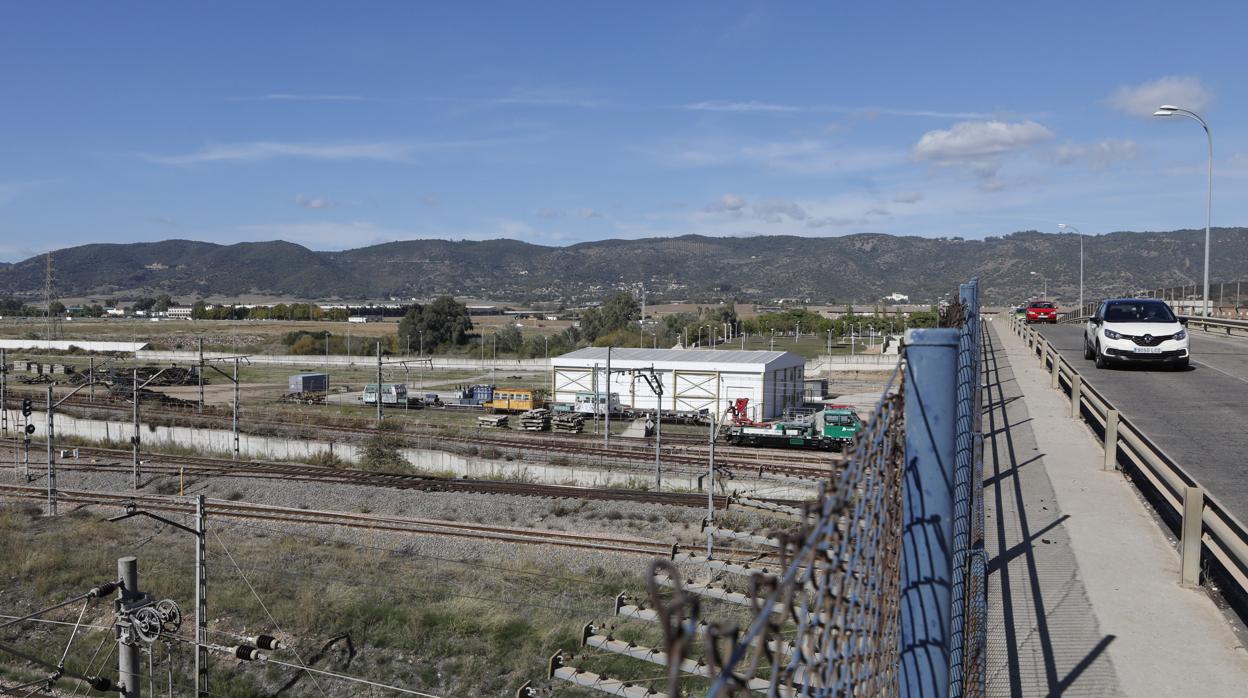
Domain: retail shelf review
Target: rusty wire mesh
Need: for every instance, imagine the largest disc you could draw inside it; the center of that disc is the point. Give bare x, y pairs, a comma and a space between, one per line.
829, 624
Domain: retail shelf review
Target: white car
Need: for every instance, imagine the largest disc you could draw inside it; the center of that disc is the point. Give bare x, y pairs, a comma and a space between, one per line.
1136, 330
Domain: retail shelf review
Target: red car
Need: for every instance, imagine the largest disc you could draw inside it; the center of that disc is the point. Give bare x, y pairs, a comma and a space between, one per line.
1041, 311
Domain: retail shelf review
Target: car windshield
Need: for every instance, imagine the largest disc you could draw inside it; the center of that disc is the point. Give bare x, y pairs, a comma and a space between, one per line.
1139, 312
1042, 305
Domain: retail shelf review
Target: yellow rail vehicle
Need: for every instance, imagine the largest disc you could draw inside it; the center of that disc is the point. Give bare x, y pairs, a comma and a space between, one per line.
515, 400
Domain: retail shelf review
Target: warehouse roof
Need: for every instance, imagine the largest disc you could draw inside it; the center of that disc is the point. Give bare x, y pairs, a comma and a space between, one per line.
699, 356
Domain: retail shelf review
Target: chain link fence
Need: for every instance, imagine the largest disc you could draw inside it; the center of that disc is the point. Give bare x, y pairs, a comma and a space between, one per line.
842, 619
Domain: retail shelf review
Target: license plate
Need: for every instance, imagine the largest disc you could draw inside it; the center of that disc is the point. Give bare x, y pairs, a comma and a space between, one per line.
1146, 350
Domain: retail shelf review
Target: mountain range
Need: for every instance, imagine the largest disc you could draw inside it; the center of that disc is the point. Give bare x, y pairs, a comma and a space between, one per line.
855, 268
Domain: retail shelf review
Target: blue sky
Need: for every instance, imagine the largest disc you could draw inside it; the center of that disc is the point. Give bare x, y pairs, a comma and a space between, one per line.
337, 125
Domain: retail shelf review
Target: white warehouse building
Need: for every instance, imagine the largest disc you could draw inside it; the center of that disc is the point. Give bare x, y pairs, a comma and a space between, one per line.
692, 379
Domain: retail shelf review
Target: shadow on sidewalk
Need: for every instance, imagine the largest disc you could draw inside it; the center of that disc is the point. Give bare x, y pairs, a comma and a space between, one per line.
1047, 632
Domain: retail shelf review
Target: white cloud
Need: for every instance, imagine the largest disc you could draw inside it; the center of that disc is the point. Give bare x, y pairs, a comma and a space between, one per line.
1097, 155
550, 213
164, 220
878, 211
587, 213
257, 151
807, 156
714, 105
312, 202
829, 222
728, 203
908, 197
1143, 99
776, 210
268, 150
745, 106
972, 142
428, 200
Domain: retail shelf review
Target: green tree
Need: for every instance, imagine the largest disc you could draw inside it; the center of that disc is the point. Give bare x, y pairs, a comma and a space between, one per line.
617, 313
56, 308
443, 322
162, 303
509, 339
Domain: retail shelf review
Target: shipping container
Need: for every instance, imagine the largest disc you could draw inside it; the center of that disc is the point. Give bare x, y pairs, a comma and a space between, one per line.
309, 383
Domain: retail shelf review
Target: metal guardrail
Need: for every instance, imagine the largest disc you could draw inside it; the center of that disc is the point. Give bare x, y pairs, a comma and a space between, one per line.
1216, 324
1204, 524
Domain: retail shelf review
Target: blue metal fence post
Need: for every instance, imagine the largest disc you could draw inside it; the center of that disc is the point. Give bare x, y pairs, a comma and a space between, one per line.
927, 511
966, 427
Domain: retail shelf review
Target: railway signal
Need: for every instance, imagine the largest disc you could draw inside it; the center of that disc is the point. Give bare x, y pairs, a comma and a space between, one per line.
27, 407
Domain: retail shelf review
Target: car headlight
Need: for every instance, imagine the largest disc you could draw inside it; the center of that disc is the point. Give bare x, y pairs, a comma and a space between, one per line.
1110, 334
1181, 334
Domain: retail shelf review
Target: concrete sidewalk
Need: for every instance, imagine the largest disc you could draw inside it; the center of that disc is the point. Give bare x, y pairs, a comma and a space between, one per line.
1083, 591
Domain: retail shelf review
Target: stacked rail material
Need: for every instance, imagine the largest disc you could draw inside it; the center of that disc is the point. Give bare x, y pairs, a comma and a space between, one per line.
568, 422
493, 421
535, 420
306, 398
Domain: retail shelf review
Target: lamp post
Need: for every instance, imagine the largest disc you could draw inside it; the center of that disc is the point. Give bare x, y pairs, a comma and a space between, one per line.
1046, 283
1063, 226
1169, 110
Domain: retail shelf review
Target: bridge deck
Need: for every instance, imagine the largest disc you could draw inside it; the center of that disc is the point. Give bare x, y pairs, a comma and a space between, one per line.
1083, 595
1198, 416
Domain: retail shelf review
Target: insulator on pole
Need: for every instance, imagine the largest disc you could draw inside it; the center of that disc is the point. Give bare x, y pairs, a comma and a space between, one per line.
266, 642
102, 590
246, 652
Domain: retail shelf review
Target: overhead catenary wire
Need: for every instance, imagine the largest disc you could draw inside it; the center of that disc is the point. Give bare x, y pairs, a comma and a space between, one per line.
264, 607
74, 633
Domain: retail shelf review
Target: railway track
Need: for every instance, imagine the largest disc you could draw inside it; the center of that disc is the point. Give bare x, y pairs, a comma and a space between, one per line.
201, 466
796, 464
245, 511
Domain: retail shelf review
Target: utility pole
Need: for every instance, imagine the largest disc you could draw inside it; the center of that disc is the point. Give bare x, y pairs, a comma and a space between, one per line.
641, 322
201, 599
127, 636
200, 371
606, 433
710, 487
51, 461
91, 376
4, 386
236, 401
653, 380
379, 415
134, 440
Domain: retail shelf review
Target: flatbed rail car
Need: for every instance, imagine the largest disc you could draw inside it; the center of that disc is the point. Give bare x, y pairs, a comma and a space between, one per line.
834, 428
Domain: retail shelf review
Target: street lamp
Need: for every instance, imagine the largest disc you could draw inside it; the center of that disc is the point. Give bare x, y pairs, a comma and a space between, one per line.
1046, 283
1168, 110
1063, 226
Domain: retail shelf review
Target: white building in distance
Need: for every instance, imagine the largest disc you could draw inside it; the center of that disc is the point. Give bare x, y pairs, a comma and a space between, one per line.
692, 379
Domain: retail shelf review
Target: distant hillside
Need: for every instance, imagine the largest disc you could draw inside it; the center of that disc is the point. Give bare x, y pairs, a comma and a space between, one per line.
855, 268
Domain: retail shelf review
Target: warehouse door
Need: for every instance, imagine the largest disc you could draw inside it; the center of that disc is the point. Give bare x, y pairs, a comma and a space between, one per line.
570, 381
696, 390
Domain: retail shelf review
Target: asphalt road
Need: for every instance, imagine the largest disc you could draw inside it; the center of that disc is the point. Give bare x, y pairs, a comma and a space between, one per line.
1198, 416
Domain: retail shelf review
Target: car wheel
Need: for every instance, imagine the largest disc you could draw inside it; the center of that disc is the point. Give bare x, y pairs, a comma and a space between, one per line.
1101, 360
1088, 352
